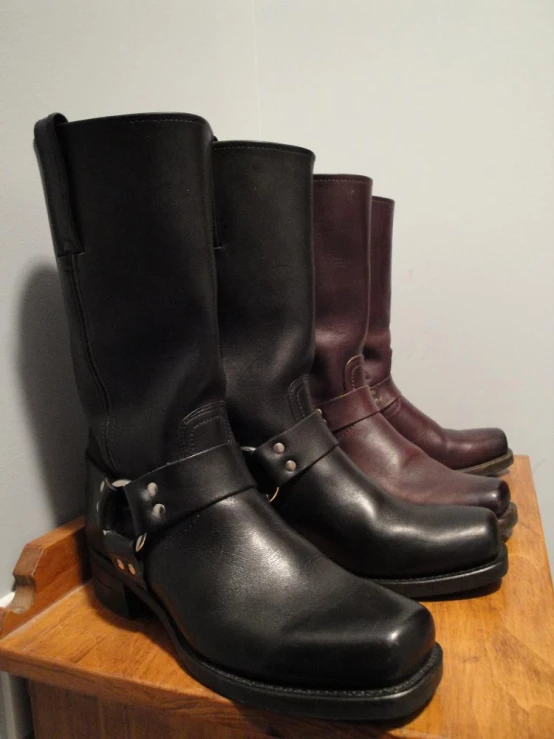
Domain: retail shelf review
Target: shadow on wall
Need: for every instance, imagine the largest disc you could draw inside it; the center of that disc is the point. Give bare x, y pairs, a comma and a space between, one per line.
51, 403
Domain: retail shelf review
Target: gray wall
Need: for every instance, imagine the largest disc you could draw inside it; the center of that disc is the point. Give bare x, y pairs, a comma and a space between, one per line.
448, 105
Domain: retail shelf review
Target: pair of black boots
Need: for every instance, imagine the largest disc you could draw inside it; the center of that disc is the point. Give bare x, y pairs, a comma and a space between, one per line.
266, 561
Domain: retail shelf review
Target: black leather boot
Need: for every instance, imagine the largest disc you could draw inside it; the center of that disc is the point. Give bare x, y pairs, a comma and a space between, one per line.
263, 195
174, 521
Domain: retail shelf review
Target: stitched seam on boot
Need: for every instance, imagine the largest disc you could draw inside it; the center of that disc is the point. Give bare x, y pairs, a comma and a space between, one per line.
73, 271
198, 418
296, 406
353, 365
109, 421
347, 430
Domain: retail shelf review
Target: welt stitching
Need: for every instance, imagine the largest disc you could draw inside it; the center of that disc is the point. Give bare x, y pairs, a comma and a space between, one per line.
433, 659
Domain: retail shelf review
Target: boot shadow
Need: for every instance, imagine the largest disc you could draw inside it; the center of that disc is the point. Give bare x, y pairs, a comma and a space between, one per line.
54, 418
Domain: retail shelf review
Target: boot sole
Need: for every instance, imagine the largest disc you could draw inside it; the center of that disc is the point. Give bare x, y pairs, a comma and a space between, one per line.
493, 467
508, 520
126, 599
451, 583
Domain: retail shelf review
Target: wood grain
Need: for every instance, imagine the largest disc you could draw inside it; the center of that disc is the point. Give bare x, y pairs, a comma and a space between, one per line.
498, 679
48, 568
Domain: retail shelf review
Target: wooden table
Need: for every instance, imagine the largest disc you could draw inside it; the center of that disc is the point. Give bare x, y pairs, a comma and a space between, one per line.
93, 675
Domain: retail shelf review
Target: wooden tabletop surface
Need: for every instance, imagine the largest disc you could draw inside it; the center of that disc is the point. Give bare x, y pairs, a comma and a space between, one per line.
498, 657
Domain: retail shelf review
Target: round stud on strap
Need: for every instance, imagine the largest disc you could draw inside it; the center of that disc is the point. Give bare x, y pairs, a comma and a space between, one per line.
166, 495
307, 442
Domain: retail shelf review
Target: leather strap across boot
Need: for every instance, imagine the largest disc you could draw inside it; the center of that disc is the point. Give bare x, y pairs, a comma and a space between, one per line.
174, 522
264, 256
352, 411
478, 451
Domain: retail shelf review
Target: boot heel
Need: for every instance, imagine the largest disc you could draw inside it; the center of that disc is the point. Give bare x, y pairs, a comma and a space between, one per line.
113, 594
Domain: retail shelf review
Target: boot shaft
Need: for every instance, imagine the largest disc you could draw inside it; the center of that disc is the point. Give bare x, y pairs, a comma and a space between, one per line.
263, 196
377, 345
130, 205
342, 205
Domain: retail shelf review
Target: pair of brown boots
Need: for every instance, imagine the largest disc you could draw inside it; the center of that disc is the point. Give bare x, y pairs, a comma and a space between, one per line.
409, 454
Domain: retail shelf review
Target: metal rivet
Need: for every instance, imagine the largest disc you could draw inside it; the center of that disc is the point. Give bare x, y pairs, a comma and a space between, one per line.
318, 410
290, 465
131, 569
120, 564
278, 448
158, 510
152, 489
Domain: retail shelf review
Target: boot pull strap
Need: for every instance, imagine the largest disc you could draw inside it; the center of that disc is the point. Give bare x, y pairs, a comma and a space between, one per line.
56, 185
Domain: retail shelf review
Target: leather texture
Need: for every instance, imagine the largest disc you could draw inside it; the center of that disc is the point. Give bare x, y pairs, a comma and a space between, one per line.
455, 449
266, 303
341, 246
135, 181
243, 590
291, 453
263, 197
156, 499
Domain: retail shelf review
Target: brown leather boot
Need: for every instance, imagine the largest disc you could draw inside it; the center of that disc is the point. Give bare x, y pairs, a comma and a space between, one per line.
478, 451
341, 245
